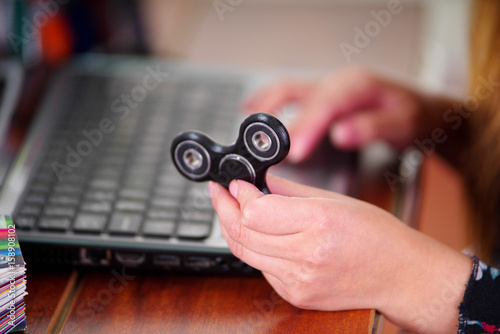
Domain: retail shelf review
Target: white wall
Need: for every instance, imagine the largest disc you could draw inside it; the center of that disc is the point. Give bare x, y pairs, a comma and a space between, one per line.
422, 41
444, 49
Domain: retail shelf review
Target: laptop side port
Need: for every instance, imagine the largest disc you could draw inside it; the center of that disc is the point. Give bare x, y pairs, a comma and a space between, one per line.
130, 259
167, 260
198, 262
241, 266
95, 256
221, 264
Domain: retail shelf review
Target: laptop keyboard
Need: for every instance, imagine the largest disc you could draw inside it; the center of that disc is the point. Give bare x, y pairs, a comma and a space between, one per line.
107, 169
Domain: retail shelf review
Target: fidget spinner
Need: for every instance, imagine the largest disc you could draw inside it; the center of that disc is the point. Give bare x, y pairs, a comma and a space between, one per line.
263, 141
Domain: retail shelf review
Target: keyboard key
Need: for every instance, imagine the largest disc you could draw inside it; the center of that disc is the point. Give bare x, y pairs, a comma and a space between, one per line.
125, 223
30, 210
64, 211
107, 172
140, 168
45, 176
171, 180
89, 223
133, 206
162, 214
41, 187
145, 159
104, 184
165, 202
35, 198
68, 188
192, 215
97, 207
100, 195
197, 201
114, 161
169, 191
134, 194
54, 153
193, 230
161, 228
169, 169
74, 178
64, 199
54, 223
24, 222
139, 183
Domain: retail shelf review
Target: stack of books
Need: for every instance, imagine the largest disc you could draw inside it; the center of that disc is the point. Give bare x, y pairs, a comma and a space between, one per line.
12, 279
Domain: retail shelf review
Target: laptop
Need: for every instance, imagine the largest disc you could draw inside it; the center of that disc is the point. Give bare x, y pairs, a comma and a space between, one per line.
92, 182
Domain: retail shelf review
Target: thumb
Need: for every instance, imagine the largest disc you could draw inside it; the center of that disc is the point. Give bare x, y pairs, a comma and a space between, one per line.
244, 192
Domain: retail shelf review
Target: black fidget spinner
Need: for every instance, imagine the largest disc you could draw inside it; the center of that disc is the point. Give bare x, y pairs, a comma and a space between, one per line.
263, 141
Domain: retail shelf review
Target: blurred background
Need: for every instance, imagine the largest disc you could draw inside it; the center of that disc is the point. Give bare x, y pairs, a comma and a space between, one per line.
424, 41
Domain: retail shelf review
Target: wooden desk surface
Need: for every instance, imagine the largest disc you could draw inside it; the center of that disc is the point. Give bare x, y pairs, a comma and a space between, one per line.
111, 301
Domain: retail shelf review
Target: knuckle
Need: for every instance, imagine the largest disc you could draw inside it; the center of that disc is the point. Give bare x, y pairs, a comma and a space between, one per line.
299, 288
237, 250
300, 299
249, 212
306, 276
234, 229
316, 260
234, 246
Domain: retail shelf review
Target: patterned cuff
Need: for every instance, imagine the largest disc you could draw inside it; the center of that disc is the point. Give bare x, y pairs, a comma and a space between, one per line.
480, 308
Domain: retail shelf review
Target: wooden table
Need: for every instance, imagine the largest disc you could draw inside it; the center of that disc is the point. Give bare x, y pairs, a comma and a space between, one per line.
115, 301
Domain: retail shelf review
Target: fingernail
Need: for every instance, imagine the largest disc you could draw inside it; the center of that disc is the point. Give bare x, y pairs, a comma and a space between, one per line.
211, 188
345, 135
233, 188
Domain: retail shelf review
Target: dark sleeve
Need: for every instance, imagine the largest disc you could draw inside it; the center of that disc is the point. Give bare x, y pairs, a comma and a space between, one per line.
480, 308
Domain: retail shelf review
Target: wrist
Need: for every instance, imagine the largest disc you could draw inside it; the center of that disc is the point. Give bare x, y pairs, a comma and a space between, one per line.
428, 288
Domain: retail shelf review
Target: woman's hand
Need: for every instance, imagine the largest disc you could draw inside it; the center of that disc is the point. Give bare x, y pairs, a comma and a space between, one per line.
325, 251
354, 107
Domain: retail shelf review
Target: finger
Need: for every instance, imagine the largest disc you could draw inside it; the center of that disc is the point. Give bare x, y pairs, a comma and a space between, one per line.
356, 131
270, 264
360, 129
257, 257
280, 186
276, 283
284, 287
240, 237
246, 193
334, 97
271, 99
272, 214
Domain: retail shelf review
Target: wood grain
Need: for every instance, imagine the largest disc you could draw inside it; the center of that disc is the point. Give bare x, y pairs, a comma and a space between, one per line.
45, 293
195, 304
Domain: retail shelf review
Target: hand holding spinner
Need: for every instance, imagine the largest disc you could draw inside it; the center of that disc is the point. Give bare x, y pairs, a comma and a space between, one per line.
263, 141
